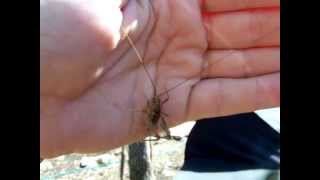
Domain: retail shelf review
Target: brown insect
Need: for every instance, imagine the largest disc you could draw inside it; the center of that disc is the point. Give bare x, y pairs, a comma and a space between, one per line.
156, 117
153, 110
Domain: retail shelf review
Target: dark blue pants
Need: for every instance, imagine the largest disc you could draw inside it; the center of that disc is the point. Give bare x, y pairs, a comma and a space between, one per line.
232, 143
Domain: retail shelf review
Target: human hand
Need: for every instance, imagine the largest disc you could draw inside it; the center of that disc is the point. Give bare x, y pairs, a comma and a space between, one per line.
214, 61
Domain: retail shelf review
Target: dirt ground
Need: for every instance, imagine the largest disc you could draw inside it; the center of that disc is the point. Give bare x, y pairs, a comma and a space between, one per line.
167, 159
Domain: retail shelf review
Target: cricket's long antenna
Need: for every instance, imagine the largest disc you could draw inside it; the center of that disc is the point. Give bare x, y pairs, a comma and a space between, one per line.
141, 61
178, 84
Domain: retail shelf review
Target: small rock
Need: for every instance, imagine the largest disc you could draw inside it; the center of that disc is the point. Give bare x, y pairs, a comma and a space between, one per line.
88, 162
100, 162
82, 165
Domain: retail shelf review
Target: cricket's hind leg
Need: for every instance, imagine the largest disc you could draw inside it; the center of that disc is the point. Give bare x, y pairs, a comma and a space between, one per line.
164, 127
165, 114
162, 122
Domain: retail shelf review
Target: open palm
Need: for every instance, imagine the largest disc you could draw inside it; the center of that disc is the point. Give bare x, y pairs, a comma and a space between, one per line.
211, 59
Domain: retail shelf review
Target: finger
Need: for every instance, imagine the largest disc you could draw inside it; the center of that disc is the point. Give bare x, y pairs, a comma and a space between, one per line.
245, 29
227, 5
221, 97
241, 63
